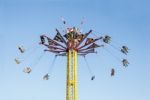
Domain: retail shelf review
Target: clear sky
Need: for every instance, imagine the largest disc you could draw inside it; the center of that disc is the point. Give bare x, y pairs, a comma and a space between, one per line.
127, 21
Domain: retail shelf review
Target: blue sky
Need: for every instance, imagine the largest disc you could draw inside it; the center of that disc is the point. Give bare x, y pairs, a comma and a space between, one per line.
127, 21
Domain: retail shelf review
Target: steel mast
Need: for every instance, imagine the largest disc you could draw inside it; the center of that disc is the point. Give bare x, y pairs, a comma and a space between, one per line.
71, 88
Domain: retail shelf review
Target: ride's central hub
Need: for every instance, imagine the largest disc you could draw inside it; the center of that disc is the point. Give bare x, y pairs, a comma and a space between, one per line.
72, 44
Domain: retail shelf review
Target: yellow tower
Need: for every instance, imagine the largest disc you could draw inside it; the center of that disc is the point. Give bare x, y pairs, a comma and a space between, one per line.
71, 88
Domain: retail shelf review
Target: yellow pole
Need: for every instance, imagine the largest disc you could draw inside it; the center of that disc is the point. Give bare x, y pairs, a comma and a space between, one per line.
71, 90
68, 75
75, 75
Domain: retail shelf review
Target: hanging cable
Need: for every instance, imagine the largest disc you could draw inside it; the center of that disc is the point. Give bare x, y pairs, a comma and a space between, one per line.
88, 67
64, 23
116, 43
81, 23
52, 65
112, 54
32, 49
24, 57
94, 35
33, 65
118, 49
98, 33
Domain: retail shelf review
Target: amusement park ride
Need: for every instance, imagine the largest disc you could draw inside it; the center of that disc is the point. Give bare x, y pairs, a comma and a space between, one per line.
72, 44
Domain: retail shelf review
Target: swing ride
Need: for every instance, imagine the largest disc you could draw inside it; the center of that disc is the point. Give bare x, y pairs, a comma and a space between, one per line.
73, 43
